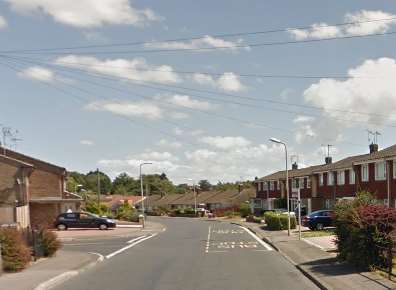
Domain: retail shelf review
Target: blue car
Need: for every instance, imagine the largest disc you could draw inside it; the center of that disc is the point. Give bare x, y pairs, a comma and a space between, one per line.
318, 220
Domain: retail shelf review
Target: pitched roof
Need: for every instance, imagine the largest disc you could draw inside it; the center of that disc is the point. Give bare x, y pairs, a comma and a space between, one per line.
37, 163
14, 162
166, 199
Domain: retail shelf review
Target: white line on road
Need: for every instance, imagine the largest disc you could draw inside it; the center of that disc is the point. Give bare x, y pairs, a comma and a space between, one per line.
133, 243
208, 240
264, 244
135, 239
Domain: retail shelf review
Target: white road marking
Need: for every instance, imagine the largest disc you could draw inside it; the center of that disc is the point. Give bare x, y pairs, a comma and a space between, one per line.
264, 244
133, 243
208, 240
135, 239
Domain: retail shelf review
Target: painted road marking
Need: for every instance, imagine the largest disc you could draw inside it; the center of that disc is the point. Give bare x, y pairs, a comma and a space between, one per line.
264, 244
208, 240
225, 232
235, 245
132, 243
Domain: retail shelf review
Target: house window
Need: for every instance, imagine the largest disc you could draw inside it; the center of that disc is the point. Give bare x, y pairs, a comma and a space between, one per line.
321, 179
308, 182
278, 185
394, 169
351, 176
265, 186
341, 177
295, 184
271, 185
330, 178
380, 171
365, 172
302, 185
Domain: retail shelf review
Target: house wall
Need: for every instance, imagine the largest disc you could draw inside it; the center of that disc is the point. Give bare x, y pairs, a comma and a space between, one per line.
8, 188
43, 214
345, 190
378, 187
45, 184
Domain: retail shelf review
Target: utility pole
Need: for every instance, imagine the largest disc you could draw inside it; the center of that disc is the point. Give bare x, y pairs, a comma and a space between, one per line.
141, 182
98, 175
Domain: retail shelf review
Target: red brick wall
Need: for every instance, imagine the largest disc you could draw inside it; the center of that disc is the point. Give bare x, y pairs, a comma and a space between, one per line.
45, 184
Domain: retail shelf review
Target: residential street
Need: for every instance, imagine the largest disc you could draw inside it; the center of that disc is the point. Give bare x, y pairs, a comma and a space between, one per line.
190, 254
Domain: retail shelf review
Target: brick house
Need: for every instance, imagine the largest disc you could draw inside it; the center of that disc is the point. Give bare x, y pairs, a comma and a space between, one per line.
45, 188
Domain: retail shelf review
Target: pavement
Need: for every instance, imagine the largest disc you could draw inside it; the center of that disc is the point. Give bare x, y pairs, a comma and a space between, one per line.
81, 250
193, 254
319, 265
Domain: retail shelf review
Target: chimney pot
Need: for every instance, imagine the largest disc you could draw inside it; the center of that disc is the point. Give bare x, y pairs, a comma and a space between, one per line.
373, 148
294, 166
328, 160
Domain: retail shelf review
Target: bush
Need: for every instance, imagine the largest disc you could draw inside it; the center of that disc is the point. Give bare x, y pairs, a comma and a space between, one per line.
277, 222
49, 243
15, 253
101, 209
363, 231
244, 210
253, 219
127, 213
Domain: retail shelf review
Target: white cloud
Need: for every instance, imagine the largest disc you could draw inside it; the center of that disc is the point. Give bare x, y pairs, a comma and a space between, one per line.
136, 69
371, 90
226, 143
157, 156
87, 13
188, 102
228, 81
205, 42
303, 119
87, 142
3, 22
131, 109
178, 131
38, 73
170, 144
368, 26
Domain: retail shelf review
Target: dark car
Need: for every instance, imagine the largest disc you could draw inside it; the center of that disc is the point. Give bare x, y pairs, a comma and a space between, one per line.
82, 220
317, 220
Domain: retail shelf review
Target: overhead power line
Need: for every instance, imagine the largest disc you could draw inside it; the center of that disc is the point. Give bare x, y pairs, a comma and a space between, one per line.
156, 84
222, 35
236, 46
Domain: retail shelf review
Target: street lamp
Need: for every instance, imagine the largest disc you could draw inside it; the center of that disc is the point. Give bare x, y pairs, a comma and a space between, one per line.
141, 182
195, 196
287, 183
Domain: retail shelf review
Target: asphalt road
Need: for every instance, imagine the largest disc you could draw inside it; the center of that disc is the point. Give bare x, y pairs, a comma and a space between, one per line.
190, 254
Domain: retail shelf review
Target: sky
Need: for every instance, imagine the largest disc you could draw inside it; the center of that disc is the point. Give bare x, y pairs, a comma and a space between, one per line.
110, 84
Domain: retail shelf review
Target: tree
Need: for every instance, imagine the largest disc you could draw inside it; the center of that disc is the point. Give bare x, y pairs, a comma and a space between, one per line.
204, 185
125, 185
92, 182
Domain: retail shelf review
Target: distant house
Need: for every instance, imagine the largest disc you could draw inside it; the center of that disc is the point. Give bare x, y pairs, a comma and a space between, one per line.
116, 200
36, 188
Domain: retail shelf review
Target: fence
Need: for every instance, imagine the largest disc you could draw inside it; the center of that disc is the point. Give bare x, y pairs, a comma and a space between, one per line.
386, 260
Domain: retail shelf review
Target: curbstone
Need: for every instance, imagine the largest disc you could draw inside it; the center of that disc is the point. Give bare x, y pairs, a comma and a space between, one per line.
61, 278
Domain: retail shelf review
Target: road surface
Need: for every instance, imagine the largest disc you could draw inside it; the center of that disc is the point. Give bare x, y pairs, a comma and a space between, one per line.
189, 255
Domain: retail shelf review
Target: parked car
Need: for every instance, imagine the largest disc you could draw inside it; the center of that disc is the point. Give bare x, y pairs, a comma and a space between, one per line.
304, 211
83, 220
318, 220
282, 211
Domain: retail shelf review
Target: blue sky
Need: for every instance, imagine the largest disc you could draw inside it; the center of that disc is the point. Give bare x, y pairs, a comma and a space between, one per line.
84, 109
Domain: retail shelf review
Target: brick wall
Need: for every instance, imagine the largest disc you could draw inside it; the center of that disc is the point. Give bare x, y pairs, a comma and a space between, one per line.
8, 190
45, 184
42, 214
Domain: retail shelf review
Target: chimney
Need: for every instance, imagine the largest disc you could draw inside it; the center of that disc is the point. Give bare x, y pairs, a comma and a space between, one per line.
294, 166
373, 148
328, 160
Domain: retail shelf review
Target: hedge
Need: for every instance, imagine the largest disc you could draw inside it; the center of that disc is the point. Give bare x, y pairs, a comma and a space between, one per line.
277, 222
14, 250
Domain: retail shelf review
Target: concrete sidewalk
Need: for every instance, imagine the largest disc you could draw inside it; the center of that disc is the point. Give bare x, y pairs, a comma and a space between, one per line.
65, 263
318, 265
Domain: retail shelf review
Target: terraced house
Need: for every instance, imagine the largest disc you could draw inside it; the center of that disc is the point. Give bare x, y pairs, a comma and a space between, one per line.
321, 186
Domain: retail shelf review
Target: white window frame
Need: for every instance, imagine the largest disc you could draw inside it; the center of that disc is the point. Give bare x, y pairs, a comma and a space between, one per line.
294, 184
302, 183
380, 174
308, 182
321, 179
330, 178
341, 177
265, 186
365, 172
278, 185
394, 169
271, 186
352, 177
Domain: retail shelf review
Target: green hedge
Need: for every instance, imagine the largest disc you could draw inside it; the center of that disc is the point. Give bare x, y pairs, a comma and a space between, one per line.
277, 222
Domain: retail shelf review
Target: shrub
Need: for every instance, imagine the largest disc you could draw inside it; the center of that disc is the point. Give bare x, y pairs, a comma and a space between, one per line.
101, 209
127, 213
253, 219
15, 253
277, 222
49, 243
363, 231
244, 210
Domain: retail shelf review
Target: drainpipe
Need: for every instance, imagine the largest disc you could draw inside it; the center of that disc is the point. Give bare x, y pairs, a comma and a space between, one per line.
268, 207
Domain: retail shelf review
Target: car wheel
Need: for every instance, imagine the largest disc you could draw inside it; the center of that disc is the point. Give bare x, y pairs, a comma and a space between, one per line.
61, 227
319, 226
103, 227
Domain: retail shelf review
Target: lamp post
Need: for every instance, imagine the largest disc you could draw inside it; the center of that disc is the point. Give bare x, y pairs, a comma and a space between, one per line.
141, 182
195, 196
287, 183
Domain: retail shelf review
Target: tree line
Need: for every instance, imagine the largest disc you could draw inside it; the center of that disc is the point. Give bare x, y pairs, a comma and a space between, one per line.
125, 184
